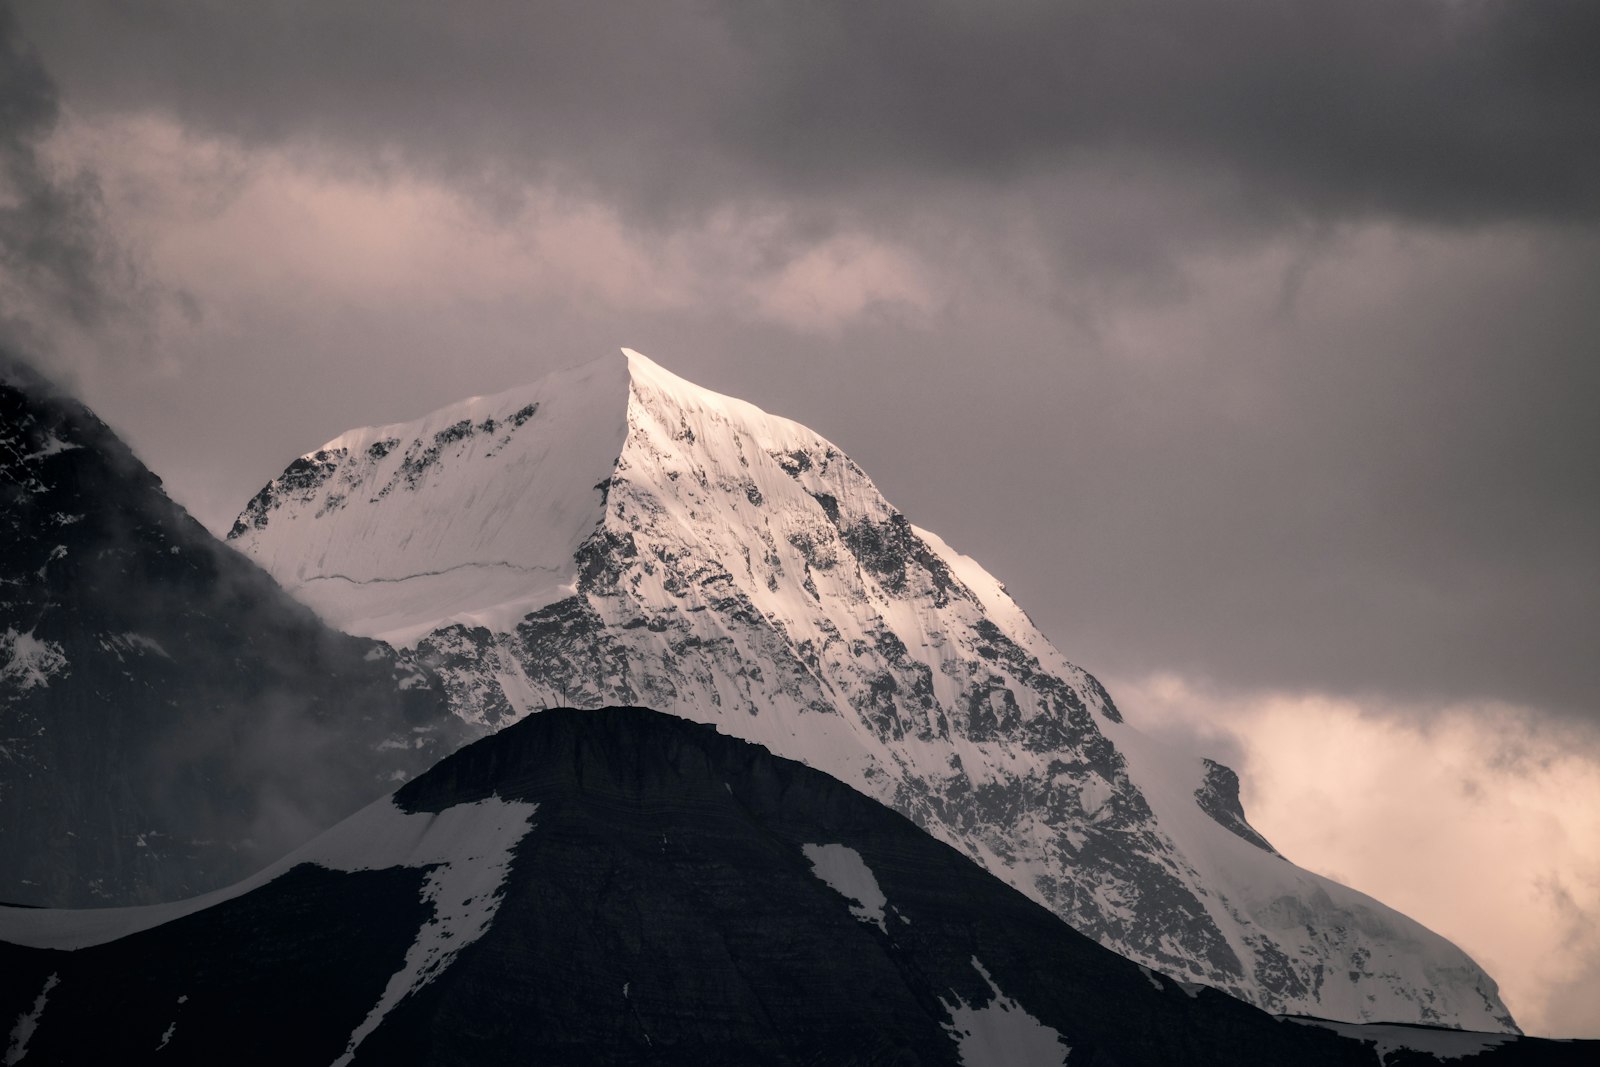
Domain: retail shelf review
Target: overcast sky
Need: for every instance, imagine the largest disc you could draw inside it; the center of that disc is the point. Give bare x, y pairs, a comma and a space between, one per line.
1254, 345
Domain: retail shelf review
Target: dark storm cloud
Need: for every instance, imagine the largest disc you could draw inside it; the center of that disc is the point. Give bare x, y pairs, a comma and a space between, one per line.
487, 93
1442, 111
1403, 504
1392, 494
53, 255
1448, 111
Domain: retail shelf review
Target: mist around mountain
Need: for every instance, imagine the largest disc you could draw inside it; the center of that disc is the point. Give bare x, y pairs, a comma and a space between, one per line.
170, 719
621, 886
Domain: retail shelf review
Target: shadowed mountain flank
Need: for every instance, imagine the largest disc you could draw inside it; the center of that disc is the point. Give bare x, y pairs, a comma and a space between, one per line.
621, 886
170, 719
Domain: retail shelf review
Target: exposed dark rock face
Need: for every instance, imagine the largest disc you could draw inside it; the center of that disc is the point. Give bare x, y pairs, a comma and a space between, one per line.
670, 903
170, 719
1218, 797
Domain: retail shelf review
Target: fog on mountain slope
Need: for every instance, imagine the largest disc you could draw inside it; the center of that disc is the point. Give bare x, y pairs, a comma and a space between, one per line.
614, 534
170, 720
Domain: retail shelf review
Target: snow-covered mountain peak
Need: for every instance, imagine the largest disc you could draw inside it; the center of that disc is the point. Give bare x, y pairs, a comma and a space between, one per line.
639, 540
655, 386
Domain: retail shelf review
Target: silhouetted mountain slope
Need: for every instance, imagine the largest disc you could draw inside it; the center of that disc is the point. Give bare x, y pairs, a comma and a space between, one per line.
620, 886
169, 718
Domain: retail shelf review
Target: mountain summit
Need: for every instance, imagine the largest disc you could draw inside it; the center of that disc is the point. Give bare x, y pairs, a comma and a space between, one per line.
617, 535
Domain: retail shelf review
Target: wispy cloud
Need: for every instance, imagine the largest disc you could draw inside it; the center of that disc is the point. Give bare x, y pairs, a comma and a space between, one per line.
58, 269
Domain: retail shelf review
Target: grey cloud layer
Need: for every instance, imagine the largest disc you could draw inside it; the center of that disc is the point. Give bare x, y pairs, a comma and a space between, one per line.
1449, 111
52, 250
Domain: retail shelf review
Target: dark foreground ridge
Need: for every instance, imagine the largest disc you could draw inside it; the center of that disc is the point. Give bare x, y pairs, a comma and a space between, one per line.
672, 901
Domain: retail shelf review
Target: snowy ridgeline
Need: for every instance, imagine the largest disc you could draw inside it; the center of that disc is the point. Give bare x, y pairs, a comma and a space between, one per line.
617, 535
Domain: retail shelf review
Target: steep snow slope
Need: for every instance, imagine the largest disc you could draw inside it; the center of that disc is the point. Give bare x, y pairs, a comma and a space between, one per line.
730, 566
489, 551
